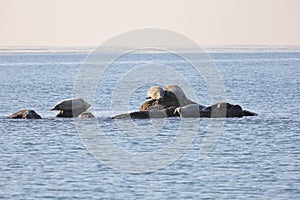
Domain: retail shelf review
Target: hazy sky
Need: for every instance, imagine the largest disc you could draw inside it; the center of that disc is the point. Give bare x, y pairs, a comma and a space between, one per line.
91, 22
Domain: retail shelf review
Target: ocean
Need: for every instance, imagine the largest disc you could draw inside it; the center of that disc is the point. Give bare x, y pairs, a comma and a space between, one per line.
238, 158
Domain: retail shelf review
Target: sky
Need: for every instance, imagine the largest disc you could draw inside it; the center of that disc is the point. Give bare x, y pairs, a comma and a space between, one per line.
92, 22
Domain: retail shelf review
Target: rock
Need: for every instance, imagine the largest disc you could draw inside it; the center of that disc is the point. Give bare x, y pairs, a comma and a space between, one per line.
25, 114
86, 114
133, 115
150, 105
223, 109
155, 113
192, 110
218, 110
248, 113
65, 114
71, 107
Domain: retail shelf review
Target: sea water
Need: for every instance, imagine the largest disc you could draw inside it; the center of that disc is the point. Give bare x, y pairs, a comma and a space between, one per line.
251, 157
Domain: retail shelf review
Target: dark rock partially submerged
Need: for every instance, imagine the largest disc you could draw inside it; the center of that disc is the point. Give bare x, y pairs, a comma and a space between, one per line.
155, 113
71, 107
86, 114
25, 114
218, 110
222, 110
133, 115
249, 113
65, 114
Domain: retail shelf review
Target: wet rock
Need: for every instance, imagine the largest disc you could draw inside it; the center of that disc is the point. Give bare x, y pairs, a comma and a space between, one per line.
218, 110
71, 107
86, 114
25, 114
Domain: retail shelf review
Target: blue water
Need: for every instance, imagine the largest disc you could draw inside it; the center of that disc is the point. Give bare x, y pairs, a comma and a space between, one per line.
255, 157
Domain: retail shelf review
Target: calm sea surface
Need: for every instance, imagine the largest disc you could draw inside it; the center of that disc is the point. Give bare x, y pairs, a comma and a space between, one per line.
252, 158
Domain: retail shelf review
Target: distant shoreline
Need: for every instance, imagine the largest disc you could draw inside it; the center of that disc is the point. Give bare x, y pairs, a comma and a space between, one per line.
90, 49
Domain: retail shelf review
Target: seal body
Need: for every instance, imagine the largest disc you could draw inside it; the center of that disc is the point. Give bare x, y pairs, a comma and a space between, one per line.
180, 95
155, 92
162, 98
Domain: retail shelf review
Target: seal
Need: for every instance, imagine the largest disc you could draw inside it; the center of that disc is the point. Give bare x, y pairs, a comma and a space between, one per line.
182, 99
155, 92
159, 99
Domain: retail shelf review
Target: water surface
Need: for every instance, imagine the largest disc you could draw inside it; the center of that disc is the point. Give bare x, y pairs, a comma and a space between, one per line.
254, 157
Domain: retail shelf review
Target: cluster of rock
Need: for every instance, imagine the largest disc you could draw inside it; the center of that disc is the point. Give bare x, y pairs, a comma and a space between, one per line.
170, 101
75, 107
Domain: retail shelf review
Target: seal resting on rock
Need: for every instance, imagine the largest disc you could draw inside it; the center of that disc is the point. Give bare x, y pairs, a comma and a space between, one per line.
25, 114
71, 107
182, 99
155, 92
169, 100
168, 96
159, 99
